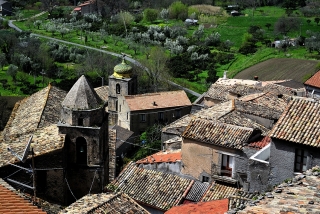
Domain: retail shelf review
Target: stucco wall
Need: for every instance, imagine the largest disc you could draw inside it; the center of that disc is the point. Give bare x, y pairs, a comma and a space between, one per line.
198, 157
258, 176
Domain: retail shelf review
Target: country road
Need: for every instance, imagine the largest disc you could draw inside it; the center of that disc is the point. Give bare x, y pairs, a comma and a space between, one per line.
107, 52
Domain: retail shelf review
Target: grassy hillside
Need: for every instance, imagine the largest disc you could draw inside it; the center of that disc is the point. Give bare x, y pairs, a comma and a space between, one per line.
279, 69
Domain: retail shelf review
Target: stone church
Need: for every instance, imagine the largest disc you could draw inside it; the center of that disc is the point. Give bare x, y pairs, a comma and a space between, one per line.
74, 148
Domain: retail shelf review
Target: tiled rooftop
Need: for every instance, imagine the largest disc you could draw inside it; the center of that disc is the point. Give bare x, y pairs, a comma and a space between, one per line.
218, 191
314, 80
157, 100
82, 96
216, 207
197, 191
299, 123
260, 143
301, 195
12, 203
220, 134
122, 135
103, 92
105, 203
156, 189
35, 115
162, 157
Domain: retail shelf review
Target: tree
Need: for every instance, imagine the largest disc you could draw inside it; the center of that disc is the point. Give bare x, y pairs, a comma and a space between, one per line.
308, 21
3, 60
164, 14
317, 20
150, 15
178, 10
313, 42
37, 23
157, 70
198, 34
284, 25
12, 71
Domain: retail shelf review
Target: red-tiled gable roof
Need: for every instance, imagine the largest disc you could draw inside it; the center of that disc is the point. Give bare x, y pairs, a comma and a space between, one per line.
162, 157
12, 203
77, 9
105, 203
314, 80
159, 100
299, 123
156, 189
216, 207
260, 143
220, 134
219, 191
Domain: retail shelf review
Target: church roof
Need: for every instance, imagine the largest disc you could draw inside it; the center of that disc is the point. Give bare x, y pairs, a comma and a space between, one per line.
35, 115
82, 96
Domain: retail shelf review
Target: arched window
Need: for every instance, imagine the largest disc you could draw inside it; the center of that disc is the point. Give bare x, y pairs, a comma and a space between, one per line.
81, 148
118, 88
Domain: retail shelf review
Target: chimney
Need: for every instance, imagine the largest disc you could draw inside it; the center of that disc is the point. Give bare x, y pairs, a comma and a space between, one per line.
256, 78
225, 75
154, 103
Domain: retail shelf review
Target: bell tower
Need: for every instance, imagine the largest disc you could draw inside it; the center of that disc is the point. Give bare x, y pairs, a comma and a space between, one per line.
121, 83
84, 121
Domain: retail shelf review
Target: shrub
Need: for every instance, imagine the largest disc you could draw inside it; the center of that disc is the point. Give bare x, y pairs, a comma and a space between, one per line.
150, 15
178, 10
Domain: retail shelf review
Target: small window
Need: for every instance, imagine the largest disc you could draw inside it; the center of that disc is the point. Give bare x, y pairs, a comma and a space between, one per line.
127, 115
118, 88
81, 147
116, 105
300, 162
160, 116
178, 114
205, 178
142, 117
80, 121
226, 165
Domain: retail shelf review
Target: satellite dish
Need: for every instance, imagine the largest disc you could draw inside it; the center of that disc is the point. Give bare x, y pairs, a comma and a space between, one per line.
25, 152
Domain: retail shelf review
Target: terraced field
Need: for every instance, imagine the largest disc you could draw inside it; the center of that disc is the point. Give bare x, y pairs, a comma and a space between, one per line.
279, 69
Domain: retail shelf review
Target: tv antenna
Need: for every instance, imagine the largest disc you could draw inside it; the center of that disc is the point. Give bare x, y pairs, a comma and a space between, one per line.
25, 152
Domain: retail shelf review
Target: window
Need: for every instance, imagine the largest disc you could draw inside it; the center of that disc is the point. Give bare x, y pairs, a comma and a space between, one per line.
226, 165
160, 116
300, 161
81, 147
205, 178
142, 117
116, 105
118, 88
80, 121
127, 115
178, 114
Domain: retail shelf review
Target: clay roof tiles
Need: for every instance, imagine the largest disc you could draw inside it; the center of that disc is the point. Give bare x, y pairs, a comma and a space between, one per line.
35, 115
314, 80
216, 207
260, 143
156, 189
219, 191
158, 100
299, 123
12, 203
162, 157
220, 134
112, 203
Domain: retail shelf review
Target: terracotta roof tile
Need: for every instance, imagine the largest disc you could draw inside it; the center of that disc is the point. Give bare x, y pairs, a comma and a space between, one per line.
219, 191
105, 202
162, 157
157, 100
156, 189
314, 80
260, 143
299, 123
12, 203
216, 207
220, 134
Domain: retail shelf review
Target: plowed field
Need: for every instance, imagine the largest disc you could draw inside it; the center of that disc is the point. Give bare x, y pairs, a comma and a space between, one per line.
280, 69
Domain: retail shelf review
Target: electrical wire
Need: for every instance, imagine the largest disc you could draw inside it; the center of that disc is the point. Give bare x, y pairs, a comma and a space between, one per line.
93, 180
70, 188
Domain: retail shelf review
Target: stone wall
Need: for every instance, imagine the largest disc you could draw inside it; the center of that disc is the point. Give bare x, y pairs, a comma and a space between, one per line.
112, 154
